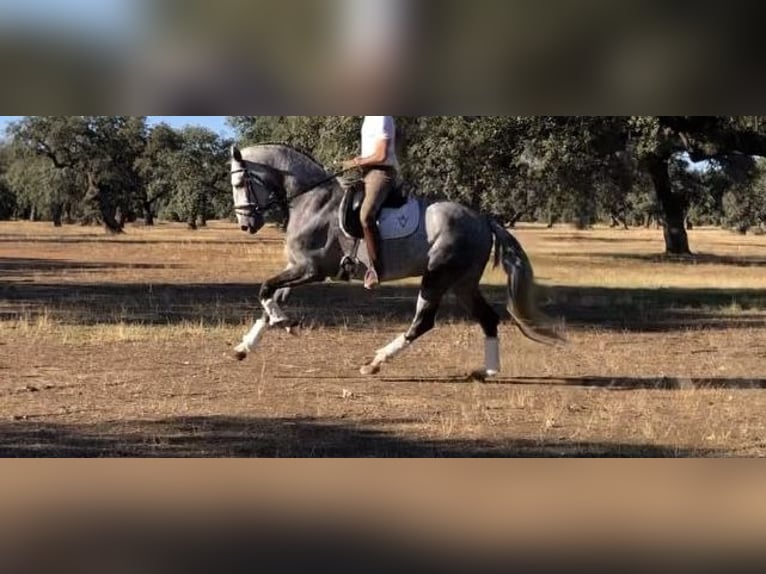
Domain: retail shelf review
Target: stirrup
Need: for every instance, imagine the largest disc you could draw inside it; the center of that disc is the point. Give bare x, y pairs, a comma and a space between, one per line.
349, 263
347, 267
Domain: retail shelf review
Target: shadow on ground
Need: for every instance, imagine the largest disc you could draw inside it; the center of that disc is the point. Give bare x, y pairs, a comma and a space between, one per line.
553, 237
608, 383
123, 239
656, 310
22, 265
217, 436
694, 259
331, 304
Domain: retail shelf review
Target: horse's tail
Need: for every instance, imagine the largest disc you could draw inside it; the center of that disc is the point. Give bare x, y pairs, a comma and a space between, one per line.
522, 303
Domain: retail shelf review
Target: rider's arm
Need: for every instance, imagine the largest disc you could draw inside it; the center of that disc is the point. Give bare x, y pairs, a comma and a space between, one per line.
379, 156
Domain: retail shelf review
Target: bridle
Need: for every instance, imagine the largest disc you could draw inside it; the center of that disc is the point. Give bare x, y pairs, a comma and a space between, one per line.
277, 195
253, 205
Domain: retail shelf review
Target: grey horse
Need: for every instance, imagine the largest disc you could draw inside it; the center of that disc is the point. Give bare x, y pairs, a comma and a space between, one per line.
449, 250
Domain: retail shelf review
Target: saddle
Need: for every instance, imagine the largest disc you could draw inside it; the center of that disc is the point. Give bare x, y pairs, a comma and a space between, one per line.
398, 218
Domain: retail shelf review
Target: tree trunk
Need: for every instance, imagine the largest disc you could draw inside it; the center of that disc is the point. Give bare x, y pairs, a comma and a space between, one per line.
57, 212
515, 218
110, 223
119, 218
583, 214
96, 195
623, 218
551, 220
476, 195
676, 239
619, 221
148, 213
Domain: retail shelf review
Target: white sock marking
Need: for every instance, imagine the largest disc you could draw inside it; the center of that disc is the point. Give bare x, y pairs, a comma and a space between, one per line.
492, 356
253, 337
391, 350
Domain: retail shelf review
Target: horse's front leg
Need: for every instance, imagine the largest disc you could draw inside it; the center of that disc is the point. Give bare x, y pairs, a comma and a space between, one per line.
271, 290
276, 290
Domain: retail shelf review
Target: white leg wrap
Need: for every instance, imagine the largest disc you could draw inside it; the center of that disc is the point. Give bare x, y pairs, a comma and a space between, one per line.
492, 356
391, 350
250, 340
275, 313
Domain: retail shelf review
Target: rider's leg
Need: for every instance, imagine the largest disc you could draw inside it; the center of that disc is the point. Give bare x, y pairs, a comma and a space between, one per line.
377, 185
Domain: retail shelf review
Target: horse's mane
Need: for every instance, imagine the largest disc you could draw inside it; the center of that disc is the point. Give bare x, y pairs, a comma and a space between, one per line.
292, 147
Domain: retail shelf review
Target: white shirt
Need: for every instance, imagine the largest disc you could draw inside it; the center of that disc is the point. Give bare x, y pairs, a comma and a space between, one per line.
376, 128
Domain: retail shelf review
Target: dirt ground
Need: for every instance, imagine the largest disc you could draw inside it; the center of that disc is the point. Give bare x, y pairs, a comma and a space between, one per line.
120, 346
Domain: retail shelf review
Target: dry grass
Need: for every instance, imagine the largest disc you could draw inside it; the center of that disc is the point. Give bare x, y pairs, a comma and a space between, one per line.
117, 346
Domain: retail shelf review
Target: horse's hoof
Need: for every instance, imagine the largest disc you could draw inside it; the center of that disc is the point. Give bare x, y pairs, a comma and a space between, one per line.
240, 355
481, 375
368, 370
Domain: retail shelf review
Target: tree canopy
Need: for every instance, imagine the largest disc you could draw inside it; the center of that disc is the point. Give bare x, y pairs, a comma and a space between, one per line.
580, 169
623, 170
113, 169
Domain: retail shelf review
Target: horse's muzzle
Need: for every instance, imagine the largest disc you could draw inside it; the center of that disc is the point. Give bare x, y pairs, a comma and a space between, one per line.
251, 224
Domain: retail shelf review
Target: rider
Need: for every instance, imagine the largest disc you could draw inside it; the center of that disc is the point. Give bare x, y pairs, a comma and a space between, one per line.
379, 167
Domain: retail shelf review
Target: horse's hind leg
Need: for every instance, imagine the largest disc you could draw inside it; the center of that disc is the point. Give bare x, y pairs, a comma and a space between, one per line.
472, 299
432, 290
282, 295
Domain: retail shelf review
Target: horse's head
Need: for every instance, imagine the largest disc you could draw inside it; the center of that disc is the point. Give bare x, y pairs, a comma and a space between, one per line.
251, 197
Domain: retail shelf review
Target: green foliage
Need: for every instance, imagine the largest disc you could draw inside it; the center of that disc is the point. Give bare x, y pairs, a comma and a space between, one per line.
7, 197
571, 169
193, 173
113, 169
87, 165
329, 138
744, 203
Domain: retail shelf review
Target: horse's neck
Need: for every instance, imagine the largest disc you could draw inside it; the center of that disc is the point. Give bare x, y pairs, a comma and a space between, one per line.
328, 194
301, 173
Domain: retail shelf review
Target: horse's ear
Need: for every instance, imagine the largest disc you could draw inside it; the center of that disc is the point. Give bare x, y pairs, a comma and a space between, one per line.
236, 155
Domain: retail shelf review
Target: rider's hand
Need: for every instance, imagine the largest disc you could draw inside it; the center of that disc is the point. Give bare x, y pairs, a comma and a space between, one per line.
350, 164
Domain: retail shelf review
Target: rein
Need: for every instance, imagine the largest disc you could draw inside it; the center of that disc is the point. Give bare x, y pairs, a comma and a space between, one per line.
273, 200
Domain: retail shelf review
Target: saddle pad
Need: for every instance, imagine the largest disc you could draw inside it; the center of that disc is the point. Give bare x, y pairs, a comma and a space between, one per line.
401, 222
